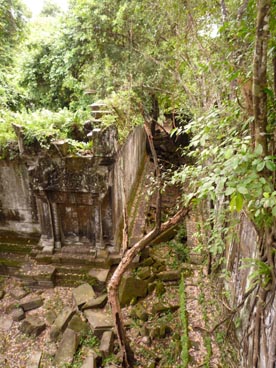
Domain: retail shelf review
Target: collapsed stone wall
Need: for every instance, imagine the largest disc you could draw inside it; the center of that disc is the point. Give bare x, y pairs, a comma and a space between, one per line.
70, 199
18, 211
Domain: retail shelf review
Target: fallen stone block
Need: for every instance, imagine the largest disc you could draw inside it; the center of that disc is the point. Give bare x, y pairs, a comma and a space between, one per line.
98, 302
160, 307
32, 325
99, 321
106, 346
5, 322
30, 302
131, 288
144, 273
18, 314
78, 325
67, 348
18, 293
82, 294
34, 360
61, 323
140, 312
173, 275
99, 273
90, 361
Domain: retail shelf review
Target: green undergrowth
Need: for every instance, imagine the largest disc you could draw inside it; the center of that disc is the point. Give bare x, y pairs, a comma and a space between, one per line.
44, 126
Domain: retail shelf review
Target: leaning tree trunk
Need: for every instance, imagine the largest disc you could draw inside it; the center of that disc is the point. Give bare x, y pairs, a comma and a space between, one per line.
127, 354
113, 286
259, 74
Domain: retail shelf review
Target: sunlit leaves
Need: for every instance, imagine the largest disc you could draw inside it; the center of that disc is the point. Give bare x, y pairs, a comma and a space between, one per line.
236, 202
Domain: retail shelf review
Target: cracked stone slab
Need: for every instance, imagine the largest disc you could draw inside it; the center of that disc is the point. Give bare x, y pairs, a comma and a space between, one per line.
99, 273
67, 348
82, 294
32, 325
61, 322
98, 302
106, 345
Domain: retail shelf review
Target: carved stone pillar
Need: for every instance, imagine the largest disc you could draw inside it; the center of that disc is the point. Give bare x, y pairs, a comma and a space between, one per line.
45, 219
98, 224
56, 226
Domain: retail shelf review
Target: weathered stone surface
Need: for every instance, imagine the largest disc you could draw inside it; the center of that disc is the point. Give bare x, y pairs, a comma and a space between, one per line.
99, 273
144, 273
158, 267
106, 345
139, 311
172, 275
160, 331
18, 314
160, 288
147, 262
82, 294
18, 293
61, 322
50, 317
90, 361
161, 308
151, 287
31, 302
32, 325
67, 348
132, 288
98, 302
2, 293
78, 325
34, 360
99, 321
5, 322
10, 307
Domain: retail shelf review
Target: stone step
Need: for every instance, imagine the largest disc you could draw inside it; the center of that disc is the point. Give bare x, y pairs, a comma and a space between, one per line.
36, 276
15, 248
10, 263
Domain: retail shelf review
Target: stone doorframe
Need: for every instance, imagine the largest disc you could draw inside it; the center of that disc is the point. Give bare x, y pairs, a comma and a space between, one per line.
51, 224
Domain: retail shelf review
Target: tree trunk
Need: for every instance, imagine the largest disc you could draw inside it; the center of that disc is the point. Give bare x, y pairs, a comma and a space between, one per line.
113, 286
259, 74
154, 113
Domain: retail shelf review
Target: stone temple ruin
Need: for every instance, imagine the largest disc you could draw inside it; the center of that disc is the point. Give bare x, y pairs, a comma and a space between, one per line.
63, 209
